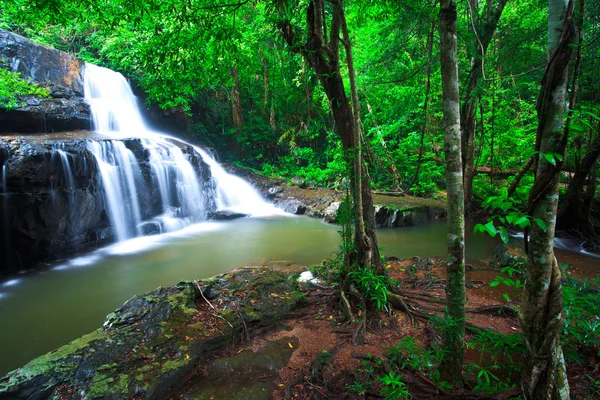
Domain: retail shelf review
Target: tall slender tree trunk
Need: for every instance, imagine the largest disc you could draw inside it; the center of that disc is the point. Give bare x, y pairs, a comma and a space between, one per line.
322, 54
361, 183
236, 100
453, 340
484, 31
415, 178
542, 306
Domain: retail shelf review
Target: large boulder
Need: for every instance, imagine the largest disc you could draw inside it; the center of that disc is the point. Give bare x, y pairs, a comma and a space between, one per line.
147, 346
60, 72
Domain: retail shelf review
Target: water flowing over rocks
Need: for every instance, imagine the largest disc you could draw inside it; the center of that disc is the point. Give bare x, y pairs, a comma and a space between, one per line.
391, 211
53, 200
56, 70
148, 345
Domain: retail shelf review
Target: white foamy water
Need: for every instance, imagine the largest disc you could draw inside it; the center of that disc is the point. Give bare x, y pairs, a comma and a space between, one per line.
183, 200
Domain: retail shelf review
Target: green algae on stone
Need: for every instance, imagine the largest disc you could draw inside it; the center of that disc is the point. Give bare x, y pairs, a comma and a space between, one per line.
153, 340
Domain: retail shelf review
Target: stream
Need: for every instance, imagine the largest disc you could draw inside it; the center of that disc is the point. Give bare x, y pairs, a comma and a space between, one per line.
45, 309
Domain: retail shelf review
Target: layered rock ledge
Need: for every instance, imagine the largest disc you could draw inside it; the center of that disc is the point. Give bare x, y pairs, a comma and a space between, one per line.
61, 73
146, 348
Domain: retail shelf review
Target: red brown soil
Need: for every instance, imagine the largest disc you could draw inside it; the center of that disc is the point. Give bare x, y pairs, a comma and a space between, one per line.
316, 326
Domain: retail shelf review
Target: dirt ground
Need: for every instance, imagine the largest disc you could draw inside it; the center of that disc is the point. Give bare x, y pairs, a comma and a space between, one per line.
324, 363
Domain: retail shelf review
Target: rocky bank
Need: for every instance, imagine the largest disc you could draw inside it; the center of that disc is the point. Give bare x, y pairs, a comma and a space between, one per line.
146, 348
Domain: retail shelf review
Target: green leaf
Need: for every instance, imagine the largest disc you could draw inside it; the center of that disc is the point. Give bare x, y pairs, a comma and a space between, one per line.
506, 297
490, 229
540, 223
494, 283
550, 158
522, 222
503, 234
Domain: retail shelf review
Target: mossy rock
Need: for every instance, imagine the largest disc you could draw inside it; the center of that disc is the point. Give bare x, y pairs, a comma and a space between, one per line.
152, 341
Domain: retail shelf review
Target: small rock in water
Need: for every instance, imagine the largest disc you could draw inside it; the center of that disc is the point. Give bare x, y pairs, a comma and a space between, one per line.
331, 212
292, 206
227, 215
273, 192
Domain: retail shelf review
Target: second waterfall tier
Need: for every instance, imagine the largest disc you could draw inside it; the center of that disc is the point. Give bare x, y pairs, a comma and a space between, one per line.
60, 196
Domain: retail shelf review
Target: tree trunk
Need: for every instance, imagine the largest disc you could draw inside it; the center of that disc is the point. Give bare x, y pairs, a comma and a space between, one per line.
415, 179
236, 100
573, 215
323, 57
453, 339
542, 307
484, 31
361, 183
515, 183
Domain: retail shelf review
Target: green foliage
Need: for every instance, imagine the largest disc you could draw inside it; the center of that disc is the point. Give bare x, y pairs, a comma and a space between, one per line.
409, 353
581, 332
393, 388
500, 362
13, 87
509, 215
516, 278
373, 287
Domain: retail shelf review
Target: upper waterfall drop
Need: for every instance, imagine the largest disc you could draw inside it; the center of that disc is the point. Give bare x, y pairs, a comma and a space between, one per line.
174, 175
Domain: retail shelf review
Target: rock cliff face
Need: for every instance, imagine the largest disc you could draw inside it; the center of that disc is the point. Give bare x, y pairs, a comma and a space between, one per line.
52, 201
58, 71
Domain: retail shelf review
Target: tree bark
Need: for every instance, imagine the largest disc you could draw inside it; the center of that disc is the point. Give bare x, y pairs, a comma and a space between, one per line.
542, 307
236, 100
574, 213
484, 33
322, 54
361, 183
415, 179
515, 183
453, 340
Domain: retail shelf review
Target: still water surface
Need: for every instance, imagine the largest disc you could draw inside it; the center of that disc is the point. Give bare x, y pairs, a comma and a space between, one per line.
44, 310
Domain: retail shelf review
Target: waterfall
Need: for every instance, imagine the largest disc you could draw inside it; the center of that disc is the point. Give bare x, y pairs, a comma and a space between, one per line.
173, 179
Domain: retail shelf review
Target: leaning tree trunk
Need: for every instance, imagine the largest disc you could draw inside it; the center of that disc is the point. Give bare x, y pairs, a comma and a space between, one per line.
454, 335
542, 306
484, 31
322, 54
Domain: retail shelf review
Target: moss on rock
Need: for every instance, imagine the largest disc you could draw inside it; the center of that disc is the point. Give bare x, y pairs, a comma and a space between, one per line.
153, 340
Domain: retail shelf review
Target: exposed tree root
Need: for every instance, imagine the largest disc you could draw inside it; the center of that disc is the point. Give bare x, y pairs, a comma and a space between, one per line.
357, 336
496, 309
399, 304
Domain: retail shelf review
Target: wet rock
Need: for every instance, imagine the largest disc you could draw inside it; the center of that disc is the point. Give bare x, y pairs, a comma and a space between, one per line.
58, 71
227, 215
390, 217
292, 206
299, 181
246, 375
47, 213
330, 214
273, 192
153, 340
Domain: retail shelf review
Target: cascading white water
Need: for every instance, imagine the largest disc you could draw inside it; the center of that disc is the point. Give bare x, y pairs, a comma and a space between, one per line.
183, 200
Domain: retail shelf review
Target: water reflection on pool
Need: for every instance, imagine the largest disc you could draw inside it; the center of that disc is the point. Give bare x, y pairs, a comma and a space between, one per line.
43, 310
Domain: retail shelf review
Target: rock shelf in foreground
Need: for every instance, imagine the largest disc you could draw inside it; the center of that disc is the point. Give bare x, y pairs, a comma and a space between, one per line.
147, 347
